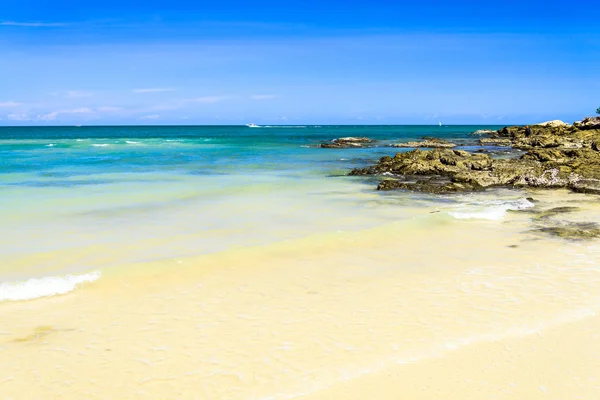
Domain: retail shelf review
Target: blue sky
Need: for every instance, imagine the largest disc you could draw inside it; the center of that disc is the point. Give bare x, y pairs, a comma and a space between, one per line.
325, 62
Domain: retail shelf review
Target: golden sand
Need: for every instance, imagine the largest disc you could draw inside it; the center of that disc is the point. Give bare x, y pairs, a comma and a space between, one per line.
421, 309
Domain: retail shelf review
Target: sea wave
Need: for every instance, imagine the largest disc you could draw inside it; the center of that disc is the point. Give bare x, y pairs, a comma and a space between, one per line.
101, 145
491, 210
44, 287
132, 142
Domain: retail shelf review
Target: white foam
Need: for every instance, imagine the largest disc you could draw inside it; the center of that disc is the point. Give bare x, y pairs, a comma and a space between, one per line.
101, 145
44, 287
131, 142
50, 145
491, 210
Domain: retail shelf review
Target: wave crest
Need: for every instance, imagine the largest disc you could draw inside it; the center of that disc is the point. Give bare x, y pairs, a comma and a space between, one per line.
495, 210
44, 287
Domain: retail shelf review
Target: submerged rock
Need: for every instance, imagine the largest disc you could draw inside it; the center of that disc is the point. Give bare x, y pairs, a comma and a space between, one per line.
555, 211
573, 230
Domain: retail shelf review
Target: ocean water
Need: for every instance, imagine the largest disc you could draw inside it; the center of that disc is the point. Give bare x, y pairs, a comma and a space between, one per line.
77, 199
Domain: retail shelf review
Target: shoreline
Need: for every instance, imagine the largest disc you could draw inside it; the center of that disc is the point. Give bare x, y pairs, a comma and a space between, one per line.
299, 316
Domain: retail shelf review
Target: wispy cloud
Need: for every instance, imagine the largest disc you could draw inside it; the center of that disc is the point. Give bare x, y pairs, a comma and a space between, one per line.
32, 24
18, 117
150, 117
207, 99
53, 115
48, 117
263, 96
10, 104
153, 90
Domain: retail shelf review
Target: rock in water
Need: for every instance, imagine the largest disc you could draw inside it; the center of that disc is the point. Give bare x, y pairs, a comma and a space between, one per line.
346, 142
433, 143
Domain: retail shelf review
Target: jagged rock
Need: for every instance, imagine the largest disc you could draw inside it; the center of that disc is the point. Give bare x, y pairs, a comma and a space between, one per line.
425, 186
471, 171
428, 143
346, 142
558, 155
588, 123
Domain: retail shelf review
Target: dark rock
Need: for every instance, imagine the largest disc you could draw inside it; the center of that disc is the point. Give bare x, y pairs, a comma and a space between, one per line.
588, 123
346, 142
558, 156
556, 211
574, 230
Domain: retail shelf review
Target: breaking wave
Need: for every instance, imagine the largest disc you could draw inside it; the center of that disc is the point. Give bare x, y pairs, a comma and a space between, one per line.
44, 287
491, 210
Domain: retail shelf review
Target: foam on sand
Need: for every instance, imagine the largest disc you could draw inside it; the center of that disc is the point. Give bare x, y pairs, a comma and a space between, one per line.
491, 210
44, 287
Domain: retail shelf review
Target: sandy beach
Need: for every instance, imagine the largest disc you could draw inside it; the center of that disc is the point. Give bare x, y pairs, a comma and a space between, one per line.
430, 307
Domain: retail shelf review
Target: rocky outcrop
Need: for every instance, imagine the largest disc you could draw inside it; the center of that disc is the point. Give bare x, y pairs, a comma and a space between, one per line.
461, 170
557, 155
588, 123
346, 142
456, 170
433, 143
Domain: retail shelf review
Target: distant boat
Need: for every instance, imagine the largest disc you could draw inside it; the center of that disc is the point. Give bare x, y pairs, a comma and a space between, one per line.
78, 126
252, 126
440, 124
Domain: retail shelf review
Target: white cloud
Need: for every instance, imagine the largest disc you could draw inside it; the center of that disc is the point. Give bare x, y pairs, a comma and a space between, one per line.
10, 104
31, 24
78, 111
207, 99
48, 117
263, 96
153, 90
18, 117
53, 115
149, 117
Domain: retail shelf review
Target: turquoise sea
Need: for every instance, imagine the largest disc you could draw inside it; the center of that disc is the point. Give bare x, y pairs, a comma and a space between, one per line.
79, 199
